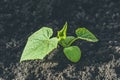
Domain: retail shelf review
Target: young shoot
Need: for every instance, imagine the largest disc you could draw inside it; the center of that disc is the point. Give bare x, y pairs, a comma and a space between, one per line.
40, 43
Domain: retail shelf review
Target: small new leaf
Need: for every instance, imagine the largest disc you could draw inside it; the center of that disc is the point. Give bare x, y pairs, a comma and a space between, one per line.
62, 33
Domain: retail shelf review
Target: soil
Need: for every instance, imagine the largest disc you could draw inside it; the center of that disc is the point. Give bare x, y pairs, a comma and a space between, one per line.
99, 61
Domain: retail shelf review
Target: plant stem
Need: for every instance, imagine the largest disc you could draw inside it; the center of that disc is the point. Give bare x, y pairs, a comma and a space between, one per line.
73, 41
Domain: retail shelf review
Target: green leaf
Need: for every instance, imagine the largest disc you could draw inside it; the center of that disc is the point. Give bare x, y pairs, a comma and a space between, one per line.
39, 44
85, 34
62, 33
73, 53
67, 42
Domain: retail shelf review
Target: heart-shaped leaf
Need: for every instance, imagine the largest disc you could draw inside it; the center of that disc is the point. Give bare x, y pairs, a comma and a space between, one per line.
39, 44
73, 53
85, 34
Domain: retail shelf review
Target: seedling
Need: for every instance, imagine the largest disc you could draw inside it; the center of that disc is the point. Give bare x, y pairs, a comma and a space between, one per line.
40, 43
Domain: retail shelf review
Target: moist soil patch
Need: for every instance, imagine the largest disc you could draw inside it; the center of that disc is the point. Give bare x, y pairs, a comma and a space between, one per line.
99, 61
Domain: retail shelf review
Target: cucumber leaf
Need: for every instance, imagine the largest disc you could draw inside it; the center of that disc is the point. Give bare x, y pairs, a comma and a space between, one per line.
85, 34
73, 53
39, 44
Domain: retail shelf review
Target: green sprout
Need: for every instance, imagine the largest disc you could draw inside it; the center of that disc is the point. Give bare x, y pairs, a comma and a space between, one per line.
40, 43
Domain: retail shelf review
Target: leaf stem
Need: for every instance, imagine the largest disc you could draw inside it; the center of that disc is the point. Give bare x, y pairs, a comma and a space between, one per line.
73, 41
